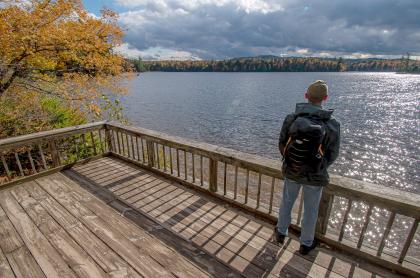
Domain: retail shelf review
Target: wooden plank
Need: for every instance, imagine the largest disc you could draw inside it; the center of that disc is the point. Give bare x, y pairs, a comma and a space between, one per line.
33, 138
364, 228
140, 262
345, 219
213, 175
102, 254
46, 256
9, 239
386, 233
193, 167
6, 168
146, 243
185, 166
5, 269
201, 171
409, 240
259, 190
31, 161
41, 152
270, 208
247, 186
71, 252
19, 165
23, 264
235, 185
224, 178
92, 138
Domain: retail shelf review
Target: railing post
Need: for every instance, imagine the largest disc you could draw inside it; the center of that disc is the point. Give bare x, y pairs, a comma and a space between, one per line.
108, 139
55, 156
150, 153
213, 175
324, 212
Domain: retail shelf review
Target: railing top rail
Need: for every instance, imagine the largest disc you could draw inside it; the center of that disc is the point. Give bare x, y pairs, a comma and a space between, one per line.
394, 199
44, 135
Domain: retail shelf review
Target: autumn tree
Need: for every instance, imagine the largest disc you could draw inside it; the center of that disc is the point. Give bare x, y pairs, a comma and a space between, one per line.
55, 49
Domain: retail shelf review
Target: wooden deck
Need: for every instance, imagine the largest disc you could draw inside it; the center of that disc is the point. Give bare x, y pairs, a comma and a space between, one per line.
108, 218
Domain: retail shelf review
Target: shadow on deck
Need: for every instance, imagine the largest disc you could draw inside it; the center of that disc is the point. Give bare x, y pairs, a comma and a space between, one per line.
145, 225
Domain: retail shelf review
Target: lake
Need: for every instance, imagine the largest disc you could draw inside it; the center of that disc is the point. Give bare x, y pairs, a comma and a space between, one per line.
379, 115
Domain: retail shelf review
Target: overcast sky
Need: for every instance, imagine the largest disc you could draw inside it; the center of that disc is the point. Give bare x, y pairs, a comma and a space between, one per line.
219, 29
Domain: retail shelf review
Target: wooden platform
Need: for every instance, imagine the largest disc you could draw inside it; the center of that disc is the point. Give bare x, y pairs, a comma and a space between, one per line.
108, 218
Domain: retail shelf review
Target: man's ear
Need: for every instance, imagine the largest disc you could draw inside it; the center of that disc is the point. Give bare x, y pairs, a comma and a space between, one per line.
325, 98
306, 95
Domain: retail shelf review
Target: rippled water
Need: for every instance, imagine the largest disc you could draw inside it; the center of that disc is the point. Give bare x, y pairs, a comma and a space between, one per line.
379, 115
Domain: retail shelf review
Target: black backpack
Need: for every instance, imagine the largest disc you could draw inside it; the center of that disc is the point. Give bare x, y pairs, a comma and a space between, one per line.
304, 151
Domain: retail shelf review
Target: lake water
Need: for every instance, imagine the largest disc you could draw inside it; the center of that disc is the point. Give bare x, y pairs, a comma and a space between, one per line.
379, 115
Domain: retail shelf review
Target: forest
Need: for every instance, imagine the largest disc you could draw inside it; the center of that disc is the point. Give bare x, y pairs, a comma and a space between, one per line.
280, 64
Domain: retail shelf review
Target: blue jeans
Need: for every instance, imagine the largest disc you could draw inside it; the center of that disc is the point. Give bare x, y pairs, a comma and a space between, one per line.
311, 198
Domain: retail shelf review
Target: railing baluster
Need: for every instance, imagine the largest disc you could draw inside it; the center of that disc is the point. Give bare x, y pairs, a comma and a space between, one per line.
157, 154
164, 158
235, 188
325, 206
201, 170
93, 143
76, 145
128, 145
110, 140
409, 240
259, 190
185, 165
101, 142
118, 142
177, 162
386, 233
224, 178
365, 225
345, 219
213, 175
55, 155
3, 160
170, 158
19, 165
41, 152
85, 146
137, 148
270, 208
31, 161
246, 186
142, 150
132, 147
193, 166
150, 153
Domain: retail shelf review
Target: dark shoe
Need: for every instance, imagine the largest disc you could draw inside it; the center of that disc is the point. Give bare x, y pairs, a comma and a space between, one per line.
279, 237
304, 250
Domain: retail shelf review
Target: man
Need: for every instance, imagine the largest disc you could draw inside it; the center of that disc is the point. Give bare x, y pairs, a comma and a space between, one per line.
309, 143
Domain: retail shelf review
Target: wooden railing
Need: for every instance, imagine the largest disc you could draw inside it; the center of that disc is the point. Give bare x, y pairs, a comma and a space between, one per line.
40, 153
376, 223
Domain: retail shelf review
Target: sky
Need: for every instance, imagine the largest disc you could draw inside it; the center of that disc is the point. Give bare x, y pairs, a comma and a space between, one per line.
221, 29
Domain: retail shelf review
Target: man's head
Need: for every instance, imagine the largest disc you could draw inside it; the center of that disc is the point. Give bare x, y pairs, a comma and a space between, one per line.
317, 92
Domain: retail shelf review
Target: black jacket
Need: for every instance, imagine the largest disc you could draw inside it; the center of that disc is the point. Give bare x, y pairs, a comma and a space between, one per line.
331, 143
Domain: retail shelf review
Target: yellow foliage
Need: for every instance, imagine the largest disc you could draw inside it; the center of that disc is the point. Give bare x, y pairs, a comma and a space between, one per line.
56, 48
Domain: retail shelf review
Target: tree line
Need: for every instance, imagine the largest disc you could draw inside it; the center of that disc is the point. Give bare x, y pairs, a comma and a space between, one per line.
276, 64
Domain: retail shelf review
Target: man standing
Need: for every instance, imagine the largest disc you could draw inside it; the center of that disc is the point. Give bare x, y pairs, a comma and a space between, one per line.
309, 143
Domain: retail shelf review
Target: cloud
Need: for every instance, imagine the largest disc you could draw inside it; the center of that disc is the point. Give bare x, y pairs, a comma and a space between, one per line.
154, 53
215, 29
